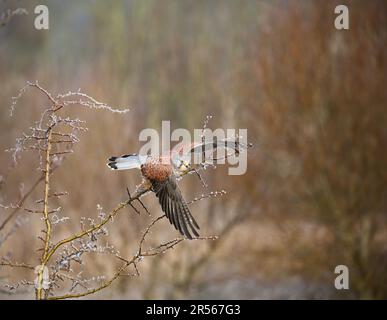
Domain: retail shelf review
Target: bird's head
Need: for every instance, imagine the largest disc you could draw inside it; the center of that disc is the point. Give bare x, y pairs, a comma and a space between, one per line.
184, 166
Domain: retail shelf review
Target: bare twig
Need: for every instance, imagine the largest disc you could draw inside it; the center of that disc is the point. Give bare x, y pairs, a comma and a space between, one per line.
7, 15
52, 137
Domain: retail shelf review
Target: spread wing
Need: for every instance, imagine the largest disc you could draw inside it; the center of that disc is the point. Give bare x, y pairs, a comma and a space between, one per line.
207, 149
228, 144
175, 207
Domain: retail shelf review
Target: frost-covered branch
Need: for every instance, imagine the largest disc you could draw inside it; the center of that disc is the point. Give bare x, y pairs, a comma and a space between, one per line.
53, 137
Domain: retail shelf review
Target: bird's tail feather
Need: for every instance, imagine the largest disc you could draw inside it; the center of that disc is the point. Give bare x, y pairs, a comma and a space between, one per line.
125, 162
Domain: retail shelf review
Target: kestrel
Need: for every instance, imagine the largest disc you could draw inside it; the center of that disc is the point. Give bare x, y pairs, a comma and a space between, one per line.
162, 173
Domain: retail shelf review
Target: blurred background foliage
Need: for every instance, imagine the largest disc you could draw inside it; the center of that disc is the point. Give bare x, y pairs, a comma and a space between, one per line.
312, 98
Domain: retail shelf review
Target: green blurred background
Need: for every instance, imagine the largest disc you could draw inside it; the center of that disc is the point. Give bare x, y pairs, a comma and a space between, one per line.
313, 99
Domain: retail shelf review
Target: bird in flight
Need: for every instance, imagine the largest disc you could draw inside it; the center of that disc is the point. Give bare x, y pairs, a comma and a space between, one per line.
162, 172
